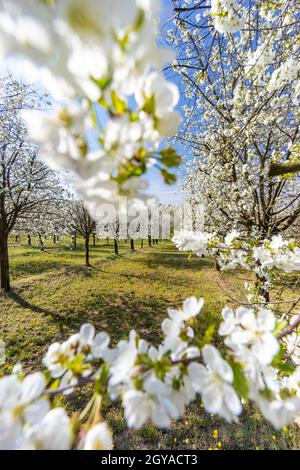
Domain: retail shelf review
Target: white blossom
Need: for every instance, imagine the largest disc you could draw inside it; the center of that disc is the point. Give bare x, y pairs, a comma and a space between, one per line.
99, 437
214, 382
21, 403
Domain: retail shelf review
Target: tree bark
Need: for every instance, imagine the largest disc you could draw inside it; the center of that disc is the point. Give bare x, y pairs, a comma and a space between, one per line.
42, 246
264, 293
116, 247
149, 241
5, 280
94, 240
131, 244
54, 239
142, 243
279, 169
87, 250
29, 239
75, 240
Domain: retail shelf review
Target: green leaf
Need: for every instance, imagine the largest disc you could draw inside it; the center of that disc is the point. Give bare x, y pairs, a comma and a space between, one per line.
145, 360
118, 104
162, 367
207, 337
104, 373
170, 158
102, 83
139, 20
169, 178
149, 106
240, 383
280, 326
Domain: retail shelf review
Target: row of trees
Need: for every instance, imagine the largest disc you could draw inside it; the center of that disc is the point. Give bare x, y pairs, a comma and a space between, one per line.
33, 198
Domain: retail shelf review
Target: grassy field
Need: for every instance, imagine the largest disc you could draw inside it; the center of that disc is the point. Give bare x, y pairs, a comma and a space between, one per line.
54, 294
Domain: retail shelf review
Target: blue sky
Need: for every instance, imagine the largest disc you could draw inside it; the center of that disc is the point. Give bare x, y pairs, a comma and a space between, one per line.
167, 194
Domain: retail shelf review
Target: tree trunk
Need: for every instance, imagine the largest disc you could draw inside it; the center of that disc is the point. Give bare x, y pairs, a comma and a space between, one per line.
75, 240
42, 246
29, 239
149, 241
5, 281
217, 266
142, 243
87, 250
94, 240
54, 239
116, 247
259, 285
107, 241
131, 244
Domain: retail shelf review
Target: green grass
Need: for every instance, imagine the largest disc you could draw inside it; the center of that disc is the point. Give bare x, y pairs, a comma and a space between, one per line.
30, 260
54, 294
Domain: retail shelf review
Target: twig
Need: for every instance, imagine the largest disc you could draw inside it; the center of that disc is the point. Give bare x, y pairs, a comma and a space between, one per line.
290, 328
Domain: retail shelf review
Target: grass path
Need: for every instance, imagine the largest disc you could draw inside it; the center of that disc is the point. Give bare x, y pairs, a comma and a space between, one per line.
51, 300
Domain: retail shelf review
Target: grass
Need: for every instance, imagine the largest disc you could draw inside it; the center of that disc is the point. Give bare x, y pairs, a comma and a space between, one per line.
54, 294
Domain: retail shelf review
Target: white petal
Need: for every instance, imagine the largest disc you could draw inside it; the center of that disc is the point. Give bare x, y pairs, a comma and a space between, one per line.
212, 398
32, 387
211, 356
87, 333
10, 389
37, 410
99, 437
199, 376
232, 401
192, 306
100, 344
169, 123
266, 319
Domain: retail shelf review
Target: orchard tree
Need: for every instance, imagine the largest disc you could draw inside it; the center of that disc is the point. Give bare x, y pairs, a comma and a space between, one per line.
50, 218
27, 185
241, 110
82, 223
111, 229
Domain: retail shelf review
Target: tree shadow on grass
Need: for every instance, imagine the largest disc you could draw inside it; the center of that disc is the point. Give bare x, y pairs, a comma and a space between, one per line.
144, 277
177, 260
62, 321
35, 267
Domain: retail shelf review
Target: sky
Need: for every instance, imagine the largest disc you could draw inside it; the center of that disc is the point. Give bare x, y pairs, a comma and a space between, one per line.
167, 194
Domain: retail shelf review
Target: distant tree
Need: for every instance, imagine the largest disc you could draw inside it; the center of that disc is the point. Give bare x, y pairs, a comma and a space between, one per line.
82, 223
49, 218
